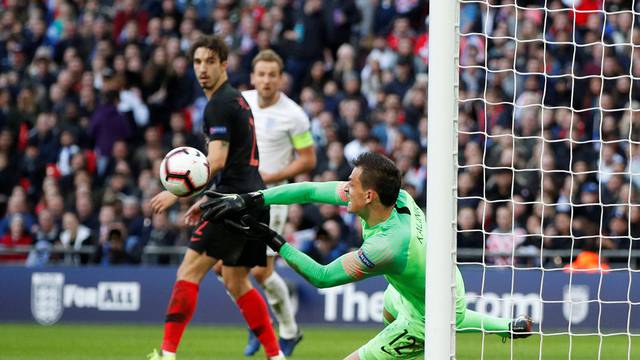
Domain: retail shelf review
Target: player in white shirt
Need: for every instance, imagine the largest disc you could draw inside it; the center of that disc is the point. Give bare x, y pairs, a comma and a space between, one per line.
286, 150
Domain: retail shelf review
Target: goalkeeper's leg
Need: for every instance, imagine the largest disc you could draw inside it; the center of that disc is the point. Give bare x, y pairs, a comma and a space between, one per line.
390, 310
473, 321
401, 339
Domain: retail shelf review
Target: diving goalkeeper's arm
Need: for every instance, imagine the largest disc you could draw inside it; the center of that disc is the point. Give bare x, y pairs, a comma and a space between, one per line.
219, 206
350, 267
367, 261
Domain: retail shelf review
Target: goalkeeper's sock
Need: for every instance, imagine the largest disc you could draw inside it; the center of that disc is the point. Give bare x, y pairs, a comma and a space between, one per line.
255, 312
476, 322
179, 313
278, 296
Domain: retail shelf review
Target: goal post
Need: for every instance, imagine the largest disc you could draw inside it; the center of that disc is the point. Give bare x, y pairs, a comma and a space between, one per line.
534, 172
441, 181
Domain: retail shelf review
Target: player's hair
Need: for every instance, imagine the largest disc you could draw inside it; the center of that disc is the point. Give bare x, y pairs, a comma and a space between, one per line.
213, 43
268, 55
380, 174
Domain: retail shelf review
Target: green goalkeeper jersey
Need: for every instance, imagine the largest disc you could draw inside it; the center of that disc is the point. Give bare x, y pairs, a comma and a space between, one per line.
394, 248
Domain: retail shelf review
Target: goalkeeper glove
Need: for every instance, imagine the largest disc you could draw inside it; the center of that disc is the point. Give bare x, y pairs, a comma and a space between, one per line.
219, 206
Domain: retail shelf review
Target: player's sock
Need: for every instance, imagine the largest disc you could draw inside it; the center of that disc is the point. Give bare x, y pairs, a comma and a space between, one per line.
255, 312
179, 313
253, 344
475, 322
278, 296
168, 355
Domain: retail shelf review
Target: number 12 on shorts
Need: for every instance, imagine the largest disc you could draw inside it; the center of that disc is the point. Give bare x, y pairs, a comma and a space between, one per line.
401, 342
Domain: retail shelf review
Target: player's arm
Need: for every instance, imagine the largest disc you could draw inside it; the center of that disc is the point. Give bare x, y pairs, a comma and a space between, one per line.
353, 266
218, 132
220, 206
218, 151
350, 267
373, 258
217, 156
330, 192
304, 162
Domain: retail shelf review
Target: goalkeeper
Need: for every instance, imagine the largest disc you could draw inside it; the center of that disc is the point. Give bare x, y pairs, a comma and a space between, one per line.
393, 228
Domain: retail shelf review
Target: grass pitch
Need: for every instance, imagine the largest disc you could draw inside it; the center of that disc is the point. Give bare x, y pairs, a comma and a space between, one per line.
124, 342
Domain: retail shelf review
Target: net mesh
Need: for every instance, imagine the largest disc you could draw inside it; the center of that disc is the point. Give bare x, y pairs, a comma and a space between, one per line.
549, 171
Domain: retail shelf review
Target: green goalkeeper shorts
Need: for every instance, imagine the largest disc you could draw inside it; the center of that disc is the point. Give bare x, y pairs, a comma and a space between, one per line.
401, 339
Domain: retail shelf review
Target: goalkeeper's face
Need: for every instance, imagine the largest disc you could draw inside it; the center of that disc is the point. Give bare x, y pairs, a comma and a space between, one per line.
359, 197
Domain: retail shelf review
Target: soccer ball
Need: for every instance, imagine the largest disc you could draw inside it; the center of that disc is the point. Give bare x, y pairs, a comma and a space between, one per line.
184, 171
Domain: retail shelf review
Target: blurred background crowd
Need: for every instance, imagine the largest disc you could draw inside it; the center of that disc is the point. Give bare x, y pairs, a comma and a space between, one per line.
94, 93
549, 131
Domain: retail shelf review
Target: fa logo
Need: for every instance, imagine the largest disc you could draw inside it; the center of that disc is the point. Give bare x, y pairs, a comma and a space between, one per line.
46, 297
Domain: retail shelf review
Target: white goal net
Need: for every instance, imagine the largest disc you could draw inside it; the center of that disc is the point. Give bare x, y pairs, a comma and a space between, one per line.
548, 198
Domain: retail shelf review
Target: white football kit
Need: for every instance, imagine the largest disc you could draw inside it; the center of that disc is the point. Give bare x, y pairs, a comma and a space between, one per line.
280, 129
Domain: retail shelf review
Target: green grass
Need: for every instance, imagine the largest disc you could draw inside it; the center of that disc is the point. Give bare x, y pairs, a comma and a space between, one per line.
88, 342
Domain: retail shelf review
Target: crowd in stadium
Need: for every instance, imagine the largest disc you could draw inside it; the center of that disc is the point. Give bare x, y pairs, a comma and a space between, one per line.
94, 93
553, 94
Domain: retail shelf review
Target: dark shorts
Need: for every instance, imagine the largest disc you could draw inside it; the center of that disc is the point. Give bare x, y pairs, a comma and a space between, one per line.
234, 248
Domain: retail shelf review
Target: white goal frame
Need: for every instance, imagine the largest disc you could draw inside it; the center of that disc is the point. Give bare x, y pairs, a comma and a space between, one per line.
440, 324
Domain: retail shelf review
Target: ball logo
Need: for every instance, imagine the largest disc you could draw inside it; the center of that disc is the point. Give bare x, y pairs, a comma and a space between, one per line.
46, 297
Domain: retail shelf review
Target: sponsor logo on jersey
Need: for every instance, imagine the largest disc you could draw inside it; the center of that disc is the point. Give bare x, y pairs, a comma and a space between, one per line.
217, 130
365, 260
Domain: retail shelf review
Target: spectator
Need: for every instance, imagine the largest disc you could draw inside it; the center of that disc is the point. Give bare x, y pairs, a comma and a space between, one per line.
327, 246
560, 238
358, 145
340, 19
336, 162
86, 216
17, 205
391, 132
129, 12
7, 175
179, 127
16, 237
134, 221
180, 86
45, 136
505, 238
469, 235
112, 250
46, 235
107, 127
308, 41
403, 78
73, 237
160, 234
